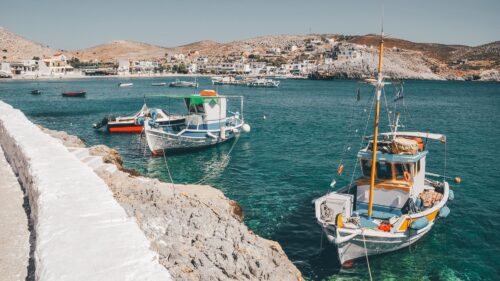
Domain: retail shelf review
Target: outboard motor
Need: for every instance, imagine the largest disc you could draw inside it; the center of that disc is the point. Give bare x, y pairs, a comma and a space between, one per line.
104, 122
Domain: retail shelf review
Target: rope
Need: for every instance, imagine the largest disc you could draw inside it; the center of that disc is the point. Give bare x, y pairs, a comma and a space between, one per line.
361, 143
207, 176
168, 169
366, 255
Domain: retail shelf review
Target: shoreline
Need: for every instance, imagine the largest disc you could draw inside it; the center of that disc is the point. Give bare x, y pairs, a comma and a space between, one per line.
198, 232
173, 75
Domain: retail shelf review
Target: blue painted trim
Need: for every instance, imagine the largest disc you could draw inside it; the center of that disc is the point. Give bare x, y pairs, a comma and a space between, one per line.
400, 158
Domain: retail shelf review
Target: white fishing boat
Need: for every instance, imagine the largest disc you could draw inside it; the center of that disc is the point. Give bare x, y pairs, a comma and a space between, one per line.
263, 83
206, 123
123, 85
183, 84
394, 202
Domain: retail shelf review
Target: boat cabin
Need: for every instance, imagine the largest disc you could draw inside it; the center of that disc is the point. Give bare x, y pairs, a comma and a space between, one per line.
207, 111
399, 176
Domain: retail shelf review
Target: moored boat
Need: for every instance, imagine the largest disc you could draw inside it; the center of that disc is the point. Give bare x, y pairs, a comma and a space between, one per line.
263, 83
123, 85
74, 94
36, 92
394, 202
183, 84
205, 124
159, 84
135, 123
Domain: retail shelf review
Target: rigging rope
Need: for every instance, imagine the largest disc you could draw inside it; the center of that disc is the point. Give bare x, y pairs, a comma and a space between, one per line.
210, 174
362, 141
366, 255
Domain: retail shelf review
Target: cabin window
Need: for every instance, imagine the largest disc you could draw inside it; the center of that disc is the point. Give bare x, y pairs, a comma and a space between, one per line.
384, 170
400, 169
366, 167
417, 167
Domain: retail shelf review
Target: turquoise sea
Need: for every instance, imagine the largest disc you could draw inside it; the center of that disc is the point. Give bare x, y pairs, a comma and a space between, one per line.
291, 156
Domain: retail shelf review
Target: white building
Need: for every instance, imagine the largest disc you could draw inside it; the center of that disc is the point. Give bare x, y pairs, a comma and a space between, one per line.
345, 52
291, 48
143, 66
123, 67
192, 68
242, 68
202, 60
56, 65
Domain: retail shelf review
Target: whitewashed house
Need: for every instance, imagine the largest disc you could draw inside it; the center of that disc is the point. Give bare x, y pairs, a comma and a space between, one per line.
123, 67
55, 66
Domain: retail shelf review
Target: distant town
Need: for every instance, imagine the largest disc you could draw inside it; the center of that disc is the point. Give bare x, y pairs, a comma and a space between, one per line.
314, 56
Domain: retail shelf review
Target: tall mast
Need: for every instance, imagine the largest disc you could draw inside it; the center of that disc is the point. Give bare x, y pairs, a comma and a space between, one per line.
378, 90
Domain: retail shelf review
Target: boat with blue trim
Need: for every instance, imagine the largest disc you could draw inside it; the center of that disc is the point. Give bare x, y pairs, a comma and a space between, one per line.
206, 123
395, 201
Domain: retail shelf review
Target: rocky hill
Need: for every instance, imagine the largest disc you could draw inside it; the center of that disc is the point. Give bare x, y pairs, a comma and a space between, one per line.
120, 49
406, 59
14, 47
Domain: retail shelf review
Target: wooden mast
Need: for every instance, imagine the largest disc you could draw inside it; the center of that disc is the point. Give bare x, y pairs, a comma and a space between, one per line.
378, 90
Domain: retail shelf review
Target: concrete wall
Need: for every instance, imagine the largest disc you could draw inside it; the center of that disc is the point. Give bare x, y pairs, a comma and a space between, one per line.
82, 233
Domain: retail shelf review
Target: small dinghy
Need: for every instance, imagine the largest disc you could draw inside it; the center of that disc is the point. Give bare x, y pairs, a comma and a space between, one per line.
159, 84
134, 123
79, 94
123, 85
36, 92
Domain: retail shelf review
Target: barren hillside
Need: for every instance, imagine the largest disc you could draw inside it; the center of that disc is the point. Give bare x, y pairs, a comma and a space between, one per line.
14, 47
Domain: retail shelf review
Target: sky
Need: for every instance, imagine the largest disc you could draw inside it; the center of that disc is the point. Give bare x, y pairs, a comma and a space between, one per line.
71, 24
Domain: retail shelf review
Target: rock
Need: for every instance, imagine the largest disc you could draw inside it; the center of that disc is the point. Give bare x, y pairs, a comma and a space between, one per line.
490, 75
109, 155
197, 231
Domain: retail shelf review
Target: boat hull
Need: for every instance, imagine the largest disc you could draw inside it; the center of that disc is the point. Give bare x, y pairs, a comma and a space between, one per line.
160, 142
375, 245
74, 94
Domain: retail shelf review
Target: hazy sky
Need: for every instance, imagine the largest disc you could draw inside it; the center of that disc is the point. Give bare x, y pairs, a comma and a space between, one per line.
71, 24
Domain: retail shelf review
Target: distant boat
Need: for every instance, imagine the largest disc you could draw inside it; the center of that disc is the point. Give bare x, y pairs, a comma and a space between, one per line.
183, 84
263, 83
159, 84
36, 92
74, 94
123, 85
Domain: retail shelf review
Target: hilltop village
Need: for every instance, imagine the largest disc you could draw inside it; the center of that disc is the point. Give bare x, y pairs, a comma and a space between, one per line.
315, 56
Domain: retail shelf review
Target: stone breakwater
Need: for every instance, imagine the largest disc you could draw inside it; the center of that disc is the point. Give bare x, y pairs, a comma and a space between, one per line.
197, 231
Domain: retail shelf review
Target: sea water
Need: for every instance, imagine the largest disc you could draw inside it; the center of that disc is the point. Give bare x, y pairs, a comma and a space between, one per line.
300, 134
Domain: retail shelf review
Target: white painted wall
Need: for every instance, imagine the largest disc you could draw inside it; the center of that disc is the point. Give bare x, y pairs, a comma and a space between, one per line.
82, 233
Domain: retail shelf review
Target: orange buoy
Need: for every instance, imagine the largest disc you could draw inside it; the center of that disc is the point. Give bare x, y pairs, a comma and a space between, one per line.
458, 180
208, 93
386, 227
340, 169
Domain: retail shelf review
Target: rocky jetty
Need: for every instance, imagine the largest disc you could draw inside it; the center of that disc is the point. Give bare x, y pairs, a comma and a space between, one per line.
197, 231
